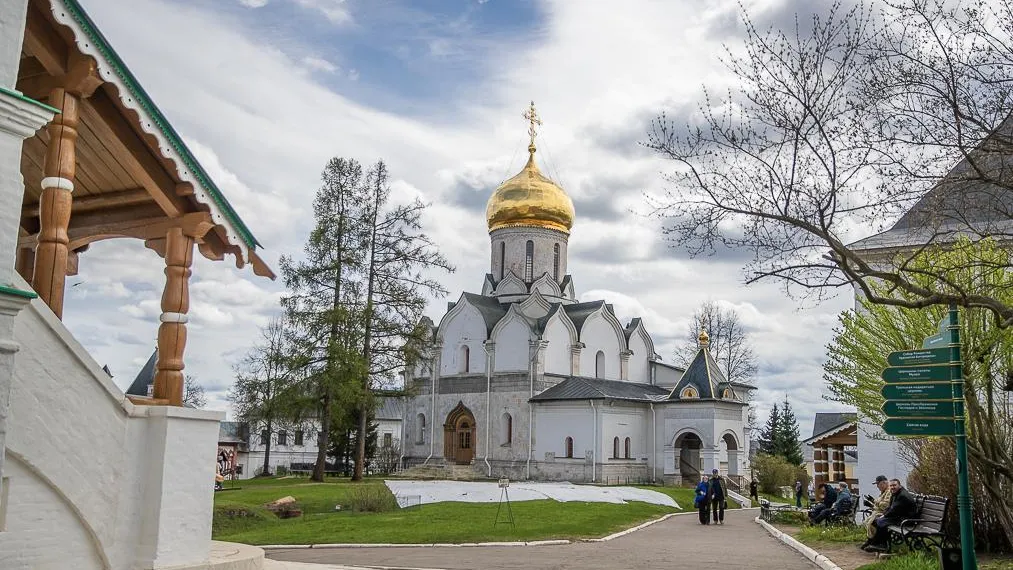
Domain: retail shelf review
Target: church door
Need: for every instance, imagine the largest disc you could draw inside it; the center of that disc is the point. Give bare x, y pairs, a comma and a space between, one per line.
465, 445
459, 435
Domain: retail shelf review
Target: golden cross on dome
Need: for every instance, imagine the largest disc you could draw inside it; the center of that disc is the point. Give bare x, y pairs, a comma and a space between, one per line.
532, 116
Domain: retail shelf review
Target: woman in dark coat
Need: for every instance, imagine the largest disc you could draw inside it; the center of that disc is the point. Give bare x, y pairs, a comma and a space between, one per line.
700, 500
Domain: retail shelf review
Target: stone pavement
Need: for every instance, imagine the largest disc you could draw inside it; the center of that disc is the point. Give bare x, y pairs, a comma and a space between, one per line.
680, 543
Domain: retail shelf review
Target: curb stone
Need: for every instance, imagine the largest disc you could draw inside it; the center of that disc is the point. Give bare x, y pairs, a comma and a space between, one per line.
815, 557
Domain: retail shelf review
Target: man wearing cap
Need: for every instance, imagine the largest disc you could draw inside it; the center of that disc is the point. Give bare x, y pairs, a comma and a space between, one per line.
716, 497
879, 506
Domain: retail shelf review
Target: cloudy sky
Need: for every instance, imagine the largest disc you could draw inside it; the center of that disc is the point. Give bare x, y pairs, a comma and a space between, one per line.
265, 91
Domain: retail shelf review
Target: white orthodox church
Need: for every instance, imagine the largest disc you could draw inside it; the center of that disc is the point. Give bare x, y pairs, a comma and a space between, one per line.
526, 382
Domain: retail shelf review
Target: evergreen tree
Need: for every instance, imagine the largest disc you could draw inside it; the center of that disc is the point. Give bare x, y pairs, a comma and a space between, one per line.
788, 445
768, 436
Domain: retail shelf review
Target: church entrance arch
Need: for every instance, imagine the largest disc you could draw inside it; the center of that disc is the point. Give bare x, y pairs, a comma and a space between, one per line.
459, 435
689, 463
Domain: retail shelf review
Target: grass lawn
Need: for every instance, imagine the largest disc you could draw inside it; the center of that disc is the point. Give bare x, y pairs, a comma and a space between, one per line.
241, 517
923, 562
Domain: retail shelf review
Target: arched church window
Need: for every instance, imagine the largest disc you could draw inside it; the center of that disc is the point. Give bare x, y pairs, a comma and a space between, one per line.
615, 448
555, 262
569, 447
502, 260
529, 260
465, 359
626, 449
689, 392
727, 394
420, 422
599, 364
506, 429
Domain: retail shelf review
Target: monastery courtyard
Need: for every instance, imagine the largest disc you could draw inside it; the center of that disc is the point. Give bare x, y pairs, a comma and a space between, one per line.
679, 543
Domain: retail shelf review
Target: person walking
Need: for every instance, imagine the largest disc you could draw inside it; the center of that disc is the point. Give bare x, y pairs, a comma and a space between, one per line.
716, 495
902, 506
798, 494
878, 507
752, 491
700, 500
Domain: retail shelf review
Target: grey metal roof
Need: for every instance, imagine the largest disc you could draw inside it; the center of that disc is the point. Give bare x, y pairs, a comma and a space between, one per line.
704, 374
962, 201
145, 378
579, 388
628, 331
389, 408
579, 312
826, 421
233, 432
490, 309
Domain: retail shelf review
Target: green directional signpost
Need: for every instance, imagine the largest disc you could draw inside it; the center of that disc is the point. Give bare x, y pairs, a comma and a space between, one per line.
924, 397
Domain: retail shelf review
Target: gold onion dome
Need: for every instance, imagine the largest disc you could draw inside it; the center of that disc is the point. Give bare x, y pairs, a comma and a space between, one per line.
530, 199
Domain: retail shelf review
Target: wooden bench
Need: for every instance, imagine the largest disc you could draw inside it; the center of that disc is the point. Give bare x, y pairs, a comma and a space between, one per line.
927, 528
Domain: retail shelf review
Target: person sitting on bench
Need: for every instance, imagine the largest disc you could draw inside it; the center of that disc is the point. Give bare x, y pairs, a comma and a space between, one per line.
841, 507
829, 498
902, 506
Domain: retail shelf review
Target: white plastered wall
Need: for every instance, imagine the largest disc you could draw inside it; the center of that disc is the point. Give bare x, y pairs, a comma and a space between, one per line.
557, 353
555, 421
639, 366
598, 334
512, 340
464, 327
135, 480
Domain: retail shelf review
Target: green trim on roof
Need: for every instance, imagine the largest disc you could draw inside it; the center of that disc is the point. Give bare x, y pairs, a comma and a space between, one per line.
121, 70
5, 290
29, 100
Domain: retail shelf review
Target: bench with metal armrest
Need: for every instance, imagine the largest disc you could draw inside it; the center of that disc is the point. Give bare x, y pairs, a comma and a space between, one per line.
926, 528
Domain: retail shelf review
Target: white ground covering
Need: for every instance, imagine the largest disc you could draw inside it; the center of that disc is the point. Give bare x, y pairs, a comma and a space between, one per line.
476, 492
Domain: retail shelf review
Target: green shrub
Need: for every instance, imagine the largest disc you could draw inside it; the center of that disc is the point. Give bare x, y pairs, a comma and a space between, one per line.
281, 470
371, 499
773, 472
789, 517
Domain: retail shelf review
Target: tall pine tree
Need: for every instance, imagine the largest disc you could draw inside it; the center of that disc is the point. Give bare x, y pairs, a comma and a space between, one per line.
787, 441
768, 436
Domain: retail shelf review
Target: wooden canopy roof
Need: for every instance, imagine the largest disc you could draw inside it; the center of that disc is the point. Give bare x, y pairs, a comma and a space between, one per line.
134, 175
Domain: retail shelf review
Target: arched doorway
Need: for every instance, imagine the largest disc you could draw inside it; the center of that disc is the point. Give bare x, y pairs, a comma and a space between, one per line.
689, 463
731, 448
459, 435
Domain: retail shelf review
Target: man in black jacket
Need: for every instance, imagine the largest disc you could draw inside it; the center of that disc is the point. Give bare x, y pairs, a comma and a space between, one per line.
716, 497
902, 506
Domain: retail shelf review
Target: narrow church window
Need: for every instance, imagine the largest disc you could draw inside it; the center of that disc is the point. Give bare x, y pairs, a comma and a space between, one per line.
529, 260
615, 448
555, 262
265, 436
388, 440
282, 437
298, 437
465, 359
420, 422
599, 364
502, 260
627, 449
506, 429
569, 447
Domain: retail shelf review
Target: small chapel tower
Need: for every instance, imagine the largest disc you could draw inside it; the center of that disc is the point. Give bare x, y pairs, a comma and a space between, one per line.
529, 219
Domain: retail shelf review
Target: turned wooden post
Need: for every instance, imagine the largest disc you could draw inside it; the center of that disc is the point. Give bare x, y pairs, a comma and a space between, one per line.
819, 468
51, 254
175, 305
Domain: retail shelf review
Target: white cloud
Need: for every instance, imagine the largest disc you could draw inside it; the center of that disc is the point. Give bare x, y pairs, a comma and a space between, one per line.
314, 63
334, 10
253, 3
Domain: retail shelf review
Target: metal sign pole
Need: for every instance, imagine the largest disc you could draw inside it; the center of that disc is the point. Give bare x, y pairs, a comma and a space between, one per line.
963, 487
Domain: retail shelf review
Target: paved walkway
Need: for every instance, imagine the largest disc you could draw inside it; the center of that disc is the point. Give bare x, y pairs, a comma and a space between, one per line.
679, 543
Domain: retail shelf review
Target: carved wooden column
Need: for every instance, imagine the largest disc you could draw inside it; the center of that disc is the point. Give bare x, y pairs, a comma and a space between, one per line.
175, 305
819, 468
55, 202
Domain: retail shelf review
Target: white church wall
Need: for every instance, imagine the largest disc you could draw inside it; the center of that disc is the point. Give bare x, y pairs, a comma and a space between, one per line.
512, 346
465, 328
639, 366
556, 421
557, 354
137, 479
622, 421
598, 334
666, 376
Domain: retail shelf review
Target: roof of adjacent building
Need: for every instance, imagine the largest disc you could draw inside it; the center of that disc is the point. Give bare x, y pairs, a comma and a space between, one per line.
389, 408
827, 421
703, 374
580, 388
233, 432
145, 377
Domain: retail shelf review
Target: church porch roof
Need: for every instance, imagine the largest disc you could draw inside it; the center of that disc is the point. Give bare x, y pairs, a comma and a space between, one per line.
579, 388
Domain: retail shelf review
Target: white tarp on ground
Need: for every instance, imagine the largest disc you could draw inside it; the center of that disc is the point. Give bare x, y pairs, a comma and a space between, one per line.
423, 492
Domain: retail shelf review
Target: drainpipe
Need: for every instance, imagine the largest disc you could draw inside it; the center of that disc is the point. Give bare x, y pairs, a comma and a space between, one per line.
534, 345
435, 374
594, 441
654, 442
488, 403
